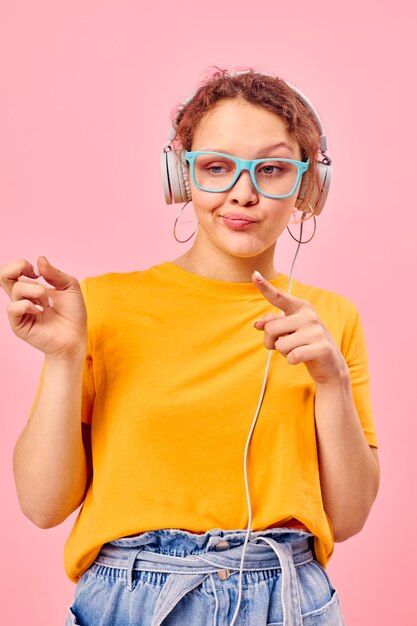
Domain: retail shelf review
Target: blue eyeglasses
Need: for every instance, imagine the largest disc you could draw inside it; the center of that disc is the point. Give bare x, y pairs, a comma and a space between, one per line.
217, 172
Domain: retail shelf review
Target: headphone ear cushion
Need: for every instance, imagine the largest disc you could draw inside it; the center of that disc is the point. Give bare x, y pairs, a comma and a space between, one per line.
175, 177
318, 198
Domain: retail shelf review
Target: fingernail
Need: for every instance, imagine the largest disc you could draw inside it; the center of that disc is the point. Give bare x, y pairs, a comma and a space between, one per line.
36, 271
39, 307
50, 302
259, 276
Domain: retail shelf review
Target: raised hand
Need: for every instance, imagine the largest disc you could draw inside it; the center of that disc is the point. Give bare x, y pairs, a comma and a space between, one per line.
52, 318
298, 333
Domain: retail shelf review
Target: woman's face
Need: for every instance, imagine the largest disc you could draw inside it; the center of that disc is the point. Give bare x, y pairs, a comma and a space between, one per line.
247, 131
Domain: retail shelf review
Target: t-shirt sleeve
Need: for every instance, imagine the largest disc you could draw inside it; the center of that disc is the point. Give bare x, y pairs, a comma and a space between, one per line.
88, 387
354, 350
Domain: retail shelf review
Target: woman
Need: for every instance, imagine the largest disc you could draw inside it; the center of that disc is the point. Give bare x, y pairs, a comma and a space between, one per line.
168, 373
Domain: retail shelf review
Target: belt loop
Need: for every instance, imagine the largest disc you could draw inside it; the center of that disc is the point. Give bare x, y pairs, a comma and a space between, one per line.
130, 563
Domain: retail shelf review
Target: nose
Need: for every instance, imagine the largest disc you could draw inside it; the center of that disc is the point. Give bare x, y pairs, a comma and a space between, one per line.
243, 191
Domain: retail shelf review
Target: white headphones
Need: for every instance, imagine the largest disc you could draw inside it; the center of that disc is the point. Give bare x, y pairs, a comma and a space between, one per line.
174, 171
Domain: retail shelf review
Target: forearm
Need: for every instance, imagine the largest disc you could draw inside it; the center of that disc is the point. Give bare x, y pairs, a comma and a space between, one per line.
49, 458
349, 473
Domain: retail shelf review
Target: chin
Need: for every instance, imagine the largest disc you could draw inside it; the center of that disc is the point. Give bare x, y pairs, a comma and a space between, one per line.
237, 244
244, 252
246, 245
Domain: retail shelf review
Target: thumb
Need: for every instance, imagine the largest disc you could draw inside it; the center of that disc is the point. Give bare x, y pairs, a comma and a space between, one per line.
53, 275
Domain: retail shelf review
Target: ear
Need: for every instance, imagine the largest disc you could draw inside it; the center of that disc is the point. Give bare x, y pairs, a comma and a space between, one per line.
300, 214
295, 216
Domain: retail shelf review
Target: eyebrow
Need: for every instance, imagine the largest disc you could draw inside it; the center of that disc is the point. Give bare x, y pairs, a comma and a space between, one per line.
281, 144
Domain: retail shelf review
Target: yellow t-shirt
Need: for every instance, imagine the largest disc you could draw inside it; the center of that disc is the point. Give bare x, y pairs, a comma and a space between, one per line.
172, 381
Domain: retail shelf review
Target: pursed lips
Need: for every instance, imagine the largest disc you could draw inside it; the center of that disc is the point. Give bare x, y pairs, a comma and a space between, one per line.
238, 217
237, 221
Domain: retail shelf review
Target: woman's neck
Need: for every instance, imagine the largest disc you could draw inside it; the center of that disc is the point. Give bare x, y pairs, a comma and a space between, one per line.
220, 265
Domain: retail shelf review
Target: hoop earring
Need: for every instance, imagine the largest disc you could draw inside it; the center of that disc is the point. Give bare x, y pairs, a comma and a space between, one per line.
175, 226
301, 226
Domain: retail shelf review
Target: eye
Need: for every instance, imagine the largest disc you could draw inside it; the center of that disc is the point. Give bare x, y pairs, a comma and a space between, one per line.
222, 168
275, 169
270, 169
212, 168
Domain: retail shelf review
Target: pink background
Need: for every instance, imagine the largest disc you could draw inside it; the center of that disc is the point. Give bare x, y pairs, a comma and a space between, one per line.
87, 90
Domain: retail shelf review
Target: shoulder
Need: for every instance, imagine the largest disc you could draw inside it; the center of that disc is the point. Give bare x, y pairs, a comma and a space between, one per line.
337, 312
318, 296
102, 285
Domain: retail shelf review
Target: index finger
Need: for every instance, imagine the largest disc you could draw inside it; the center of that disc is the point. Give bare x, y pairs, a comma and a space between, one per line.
10, 273
284, 301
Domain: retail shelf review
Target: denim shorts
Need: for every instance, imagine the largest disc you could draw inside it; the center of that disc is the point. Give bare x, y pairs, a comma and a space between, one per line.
173, 577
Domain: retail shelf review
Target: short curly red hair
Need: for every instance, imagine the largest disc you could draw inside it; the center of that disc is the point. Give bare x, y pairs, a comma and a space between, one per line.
270, 92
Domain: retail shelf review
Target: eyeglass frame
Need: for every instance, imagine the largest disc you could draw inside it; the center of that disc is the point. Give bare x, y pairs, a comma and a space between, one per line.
246, 164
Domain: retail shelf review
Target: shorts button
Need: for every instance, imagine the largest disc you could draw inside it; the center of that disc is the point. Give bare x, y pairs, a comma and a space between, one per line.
222, 545
223, 574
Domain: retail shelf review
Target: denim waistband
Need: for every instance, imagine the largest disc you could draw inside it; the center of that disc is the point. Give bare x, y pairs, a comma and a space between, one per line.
190, 558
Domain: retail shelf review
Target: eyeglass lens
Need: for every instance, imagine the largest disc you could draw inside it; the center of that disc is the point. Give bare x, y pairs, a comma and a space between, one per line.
276, 178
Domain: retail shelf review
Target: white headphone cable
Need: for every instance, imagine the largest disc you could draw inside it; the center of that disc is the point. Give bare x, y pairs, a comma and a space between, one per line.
247, 447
